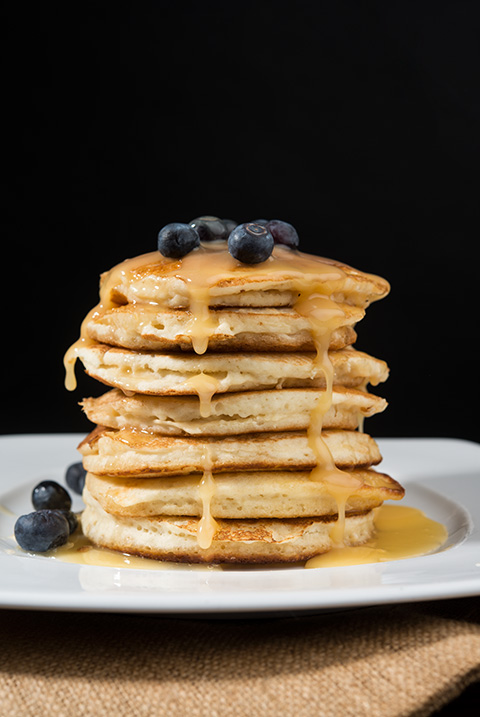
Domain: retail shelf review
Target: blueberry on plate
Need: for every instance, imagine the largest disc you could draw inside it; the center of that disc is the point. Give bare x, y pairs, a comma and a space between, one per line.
41, 530
283, 233
72, 520
250, 243
75, 477
210, 228
177, 240
50, 494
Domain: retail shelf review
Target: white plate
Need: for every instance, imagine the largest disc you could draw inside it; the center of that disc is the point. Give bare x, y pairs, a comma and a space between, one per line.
441, 477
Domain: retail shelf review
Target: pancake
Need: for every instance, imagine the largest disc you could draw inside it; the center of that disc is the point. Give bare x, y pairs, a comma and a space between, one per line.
231, 413
157, 373
154, 279
151, 328
256, 494
140, 453
238, 541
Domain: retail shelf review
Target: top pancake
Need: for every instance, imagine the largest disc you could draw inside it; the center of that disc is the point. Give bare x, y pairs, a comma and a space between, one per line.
154, 279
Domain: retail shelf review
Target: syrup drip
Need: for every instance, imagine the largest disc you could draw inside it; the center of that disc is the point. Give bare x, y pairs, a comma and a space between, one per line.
207, 526
124, 271
205, 387
71, 355
324, 317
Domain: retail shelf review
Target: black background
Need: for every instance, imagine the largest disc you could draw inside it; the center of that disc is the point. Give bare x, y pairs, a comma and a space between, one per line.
358, 122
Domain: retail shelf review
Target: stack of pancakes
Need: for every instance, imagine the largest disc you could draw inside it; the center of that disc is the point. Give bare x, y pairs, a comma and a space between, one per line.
232, 430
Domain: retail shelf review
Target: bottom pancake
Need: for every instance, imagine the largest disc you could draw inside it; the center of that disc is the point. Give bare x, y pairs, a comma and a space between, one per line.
235, 541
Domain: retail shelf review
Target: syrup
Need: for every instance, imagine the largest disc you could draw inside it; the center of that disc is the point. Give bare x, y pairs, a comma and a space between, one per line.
208, 525
200, 271
401, 532
205, 387
313, 281
81, 551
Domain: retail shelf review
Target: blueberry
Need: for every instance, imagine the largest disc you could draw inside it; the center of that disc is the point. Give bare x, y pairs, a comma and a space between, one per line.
283, 233
75, 477
250, 243
230, 225
41, 530
176, 240
49, 494
210, 228
72, 519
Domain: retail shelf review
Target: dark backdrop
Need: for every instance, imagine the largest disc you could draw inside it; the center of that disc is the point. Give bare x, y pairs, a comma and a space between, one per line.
356, 121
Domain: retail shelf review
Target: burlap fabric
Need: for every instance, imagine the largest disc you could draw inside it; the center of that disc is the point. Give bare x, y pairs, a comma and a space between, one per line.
381, 661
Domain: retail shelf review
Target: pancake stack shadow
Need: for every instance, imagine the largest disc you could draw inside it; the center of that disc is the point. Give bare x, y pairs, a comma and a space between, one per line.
203, 448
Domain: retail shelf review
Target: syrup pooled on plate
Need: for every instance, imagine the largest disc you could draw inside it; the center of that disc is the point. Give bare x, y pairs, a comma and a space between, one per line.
401, 532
